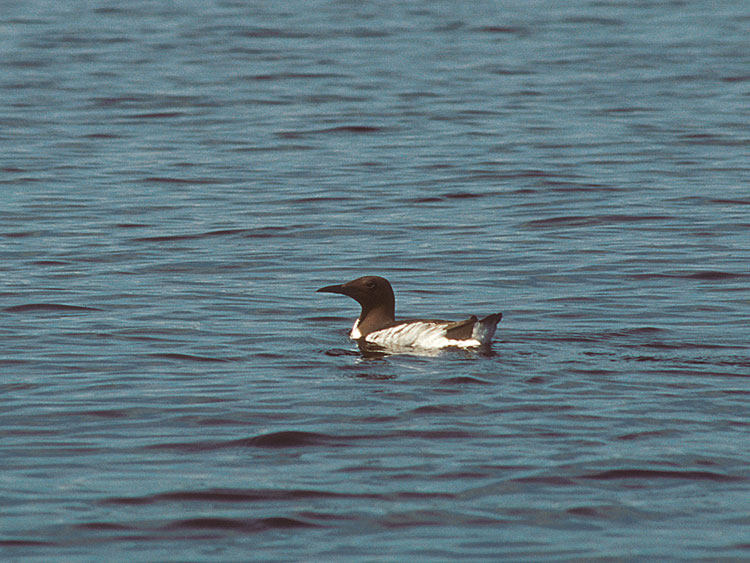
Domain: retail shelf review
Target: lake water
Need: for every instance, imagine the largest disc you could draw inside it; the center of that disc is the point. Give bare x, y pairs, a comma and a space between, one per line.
177, 180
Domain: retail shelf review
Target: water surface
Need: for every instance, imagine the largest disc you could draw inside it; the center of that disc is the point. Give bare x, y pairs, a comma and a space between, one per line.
179, 178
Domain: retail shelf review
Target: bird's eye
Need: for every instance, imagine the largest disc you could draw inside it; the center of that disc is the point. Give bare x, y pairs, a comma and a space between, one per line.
370, 284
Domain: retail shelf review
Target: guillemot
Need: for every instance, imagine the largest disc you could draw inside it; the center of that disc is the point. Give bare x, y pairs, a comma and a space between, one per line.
378, 326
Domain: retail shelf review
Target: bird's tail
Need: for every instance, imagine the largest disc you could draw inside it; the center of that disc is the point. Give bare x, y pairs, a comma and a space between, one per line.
484, 330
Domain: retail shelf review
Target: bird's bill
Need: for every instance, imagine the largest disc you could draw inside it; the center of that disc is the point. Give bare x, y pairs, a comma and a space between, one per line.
333, 289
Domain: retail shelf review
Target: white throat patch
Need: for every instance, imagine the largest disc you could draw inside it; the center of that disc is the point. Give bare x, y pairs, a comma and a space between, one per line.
355, 334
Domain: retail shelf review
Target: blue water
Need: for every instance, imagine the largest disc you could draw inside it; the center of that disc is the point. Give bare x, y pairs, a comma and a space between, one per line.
178, 178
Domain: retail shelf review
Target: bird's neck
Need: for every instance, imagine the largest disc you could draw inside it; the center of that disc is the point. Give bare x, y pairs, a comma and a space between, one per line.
375, 318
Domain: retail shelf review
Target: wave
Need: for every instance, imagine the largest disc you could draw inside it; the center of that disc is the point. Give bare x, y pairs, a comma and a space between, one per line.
52, 307
613, 474
282, 439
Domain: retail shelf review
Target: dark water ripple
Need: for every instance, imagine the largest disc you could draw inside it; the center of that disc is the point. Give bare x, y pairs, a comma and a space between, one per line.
48, 307
179, 178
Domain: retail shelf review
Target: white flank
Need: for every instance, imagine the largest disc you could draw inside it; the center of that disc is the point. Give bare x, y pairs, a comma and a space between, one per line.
428, 335
418, 334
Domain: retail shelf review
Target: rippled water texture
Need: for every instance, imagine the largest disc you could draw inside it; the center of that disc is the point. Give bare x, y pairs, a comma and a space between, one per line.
178, 178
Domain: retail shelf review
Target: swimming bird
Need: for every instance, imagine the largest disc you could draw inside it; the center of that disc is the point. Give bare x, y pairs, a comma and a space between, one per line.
378, 326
